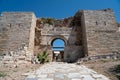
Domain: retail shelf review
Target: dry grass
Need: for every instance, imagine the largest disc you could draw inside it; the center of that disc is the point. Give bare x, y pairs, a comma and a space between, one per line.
15, 73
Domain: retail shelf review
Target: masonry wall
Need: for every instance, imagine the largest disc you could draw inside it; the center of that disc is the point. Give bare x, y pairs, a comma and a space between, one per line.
101, 32
49, 32
76, 47
68, 34
75, 51
88, 33
16, 30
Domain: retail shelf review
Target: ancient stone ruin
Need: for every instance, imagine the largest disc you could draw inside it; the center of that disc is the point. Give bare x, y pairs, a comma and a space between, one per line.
87, 33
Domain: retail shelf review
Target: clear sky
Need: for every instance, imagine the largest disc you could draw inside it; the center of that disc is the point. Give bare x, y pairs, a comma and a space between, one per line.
58, 43
61, 44
59, 8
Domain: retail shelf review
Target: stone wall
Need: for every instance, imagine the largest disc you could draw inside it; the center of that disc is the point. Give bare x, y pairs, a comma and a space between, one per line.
101, 32
76, 47
72, 36
119, 27
88, 33
48, 32
32, 35
16, 30
75, 53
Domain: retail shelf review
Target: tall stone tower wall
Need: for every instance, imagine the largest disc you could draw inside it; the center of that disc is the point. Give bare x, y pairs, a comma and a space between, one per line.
102, 32
17, 30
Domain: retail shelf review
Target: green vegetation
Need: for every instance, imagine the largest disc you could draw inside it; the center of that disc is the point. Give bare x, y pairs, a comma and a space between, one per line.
39, 22
68, 58
2, 74
115, 69
118, 52
43, 57
49, 21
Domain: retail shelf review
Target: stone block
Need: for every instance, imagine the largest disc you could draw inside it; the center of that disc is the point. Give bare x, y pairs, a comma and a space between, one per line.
59, 76
21, 57
42, 76
7, 58
74, 75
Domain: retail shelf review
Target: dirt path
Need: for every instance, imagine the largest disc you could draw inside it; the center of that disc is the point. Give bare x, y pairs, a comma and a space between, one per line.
64, 71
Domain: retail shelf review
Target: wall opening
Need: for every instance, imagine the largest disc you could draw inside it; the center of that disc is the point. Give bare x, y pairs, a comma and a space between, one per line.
58, 49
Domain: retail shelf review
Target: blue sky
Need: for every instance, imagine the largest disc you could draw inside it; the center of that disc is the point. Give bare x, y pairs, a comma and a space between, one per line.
58, 43
59, 8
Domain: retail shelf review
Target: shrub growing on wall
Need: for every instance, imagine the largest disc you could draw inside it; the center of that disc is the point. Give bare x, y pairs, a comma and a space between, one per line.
43, 57
49, 21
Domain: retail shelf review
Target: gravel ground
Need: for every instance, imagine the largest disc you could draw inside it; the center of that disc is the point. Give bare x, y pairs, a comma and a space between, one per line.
16, 73
103, 67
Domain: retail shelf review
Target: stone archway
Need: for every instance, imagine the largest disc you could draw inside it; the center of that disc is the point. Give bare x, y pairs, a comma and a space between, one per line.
73, 34
58, 50
57, 37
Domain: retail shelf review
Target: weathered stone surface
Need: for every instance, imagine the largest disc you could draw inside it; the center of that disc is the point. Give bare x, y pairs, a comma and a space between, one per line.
101, 32
16, 31
64, 71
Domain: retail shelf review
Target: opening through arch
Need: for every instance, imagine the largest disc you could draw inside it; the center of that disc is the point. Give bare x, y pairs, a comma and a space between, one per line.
58, 45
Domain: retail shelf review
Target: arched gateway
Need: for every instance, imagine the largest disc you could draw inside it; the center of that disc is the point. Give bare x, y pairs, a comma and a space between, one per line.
73, 44
87, 33
58, 43
58, 46
57, 37
82, 36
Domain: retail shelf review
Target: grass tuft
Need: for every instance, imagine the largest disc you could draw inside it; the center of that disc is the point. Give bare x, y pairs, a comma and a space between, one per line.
2, 74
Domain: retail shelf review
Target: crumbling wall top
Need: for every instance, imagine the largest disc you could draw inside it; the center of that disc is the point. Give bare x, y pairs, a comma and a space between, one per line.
55, 22
118, 24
